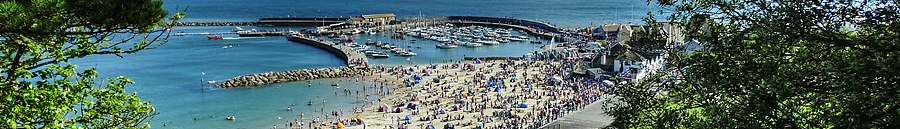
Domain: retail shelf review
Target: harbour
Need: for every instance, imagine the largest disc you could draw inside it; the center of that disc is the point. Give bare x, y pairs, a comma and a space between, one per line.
188, 57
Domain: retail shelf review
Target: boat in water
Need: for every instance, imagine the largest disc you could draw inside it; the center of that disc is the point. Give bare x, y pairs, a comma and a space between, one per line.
446, 46
487, 42
214, 37
380, 55
473, 45
407, 53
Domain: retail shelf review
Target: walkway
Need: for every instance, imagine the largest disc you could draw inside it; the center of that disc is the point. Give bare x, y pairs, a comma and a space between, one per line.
591, 117
349, 54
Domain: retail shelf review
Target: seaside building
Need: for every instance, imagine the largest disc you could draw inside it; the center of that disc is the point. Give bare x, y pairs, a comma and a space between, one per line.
374, 19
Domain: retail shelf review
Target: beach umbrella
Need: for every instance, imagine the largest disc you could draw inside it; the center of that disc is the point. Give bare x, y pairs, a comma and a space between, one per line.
340, 125
407, 117
497, 89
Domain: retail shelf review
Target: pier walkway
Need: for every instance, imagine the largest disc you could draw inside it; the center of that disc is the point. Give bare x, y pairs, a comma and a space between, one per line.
351, 56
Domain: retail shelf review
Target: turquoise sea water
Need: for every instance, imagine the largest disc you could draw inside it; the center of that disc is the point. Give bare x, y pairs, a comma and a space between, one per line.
170, 76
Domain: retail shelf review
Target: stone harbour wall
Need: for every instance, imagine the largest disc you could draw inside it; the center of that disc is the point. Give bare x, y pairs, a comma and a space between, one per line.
289, 76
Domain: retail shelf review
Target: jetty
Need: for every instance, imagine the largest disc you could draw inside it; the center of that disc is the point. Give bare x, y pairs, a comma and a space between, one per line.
229, 23
293, 21
351, 56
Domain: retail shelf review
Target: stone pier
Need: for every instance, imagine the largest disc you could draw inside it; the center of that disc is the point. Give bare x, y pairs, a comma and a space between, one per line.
290, 76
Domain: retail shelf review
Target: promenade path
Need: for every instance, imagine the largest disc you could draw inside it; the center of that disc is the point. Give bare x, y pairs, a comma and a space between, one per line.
591, 117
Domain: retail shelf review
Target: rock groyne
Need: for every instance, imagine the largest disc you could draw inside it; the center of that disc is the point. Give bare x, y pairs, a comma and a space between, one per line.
289, 76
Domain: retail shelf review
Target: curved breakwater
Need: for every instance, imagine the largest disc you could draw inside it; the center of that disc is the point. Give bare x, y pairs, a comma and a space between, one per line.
289, 76
345, 53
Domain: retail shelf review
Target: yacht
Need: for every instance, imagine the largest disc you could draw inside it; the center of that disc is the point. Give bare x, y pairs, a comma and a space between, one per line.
407, 53
486, 42
379, 55
473, 45
446, 46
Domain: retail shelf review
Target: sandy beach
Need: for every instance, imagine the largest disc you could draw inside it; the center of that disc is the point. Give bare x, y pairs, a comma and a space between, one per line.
467, 94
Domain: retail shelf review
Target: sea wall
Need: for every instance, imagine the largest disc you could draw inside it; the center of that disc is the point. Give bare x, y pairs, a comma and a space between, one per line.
215, 23
289, 76
520, 22
324, 45
343, 52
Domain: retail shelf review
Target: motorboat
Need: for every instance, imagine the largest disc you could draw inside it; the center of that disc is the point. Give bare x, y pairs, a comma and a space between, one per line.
486, 42
214, 37
446, 46
407, 53
473, 45
503, 41
380, 55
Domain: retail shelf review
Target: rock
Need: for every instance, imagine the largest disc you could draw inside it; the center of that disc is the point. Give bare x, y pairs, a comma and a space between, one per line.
289, 76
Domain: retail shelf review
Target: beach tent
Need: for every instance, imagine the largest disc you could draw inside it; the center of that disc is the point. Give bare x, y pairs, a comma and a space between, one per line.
407, 117
497, 89
358, 117
522, 105
340, 125
448, 126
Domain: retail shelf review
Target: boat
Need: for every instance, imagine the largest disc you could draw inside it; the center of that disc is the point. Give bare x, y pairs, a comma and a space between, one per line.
488, 42
536, 42
211, 81
503, 41
445, 46
380, 55
346, 39
473, 45
407, 53
237, 29
214, 37
334, 84
231, 118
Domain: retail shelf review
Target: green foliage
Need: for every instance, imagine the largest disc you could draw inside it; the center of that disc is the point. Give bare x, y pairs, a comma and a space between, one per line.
773, 64
39, 89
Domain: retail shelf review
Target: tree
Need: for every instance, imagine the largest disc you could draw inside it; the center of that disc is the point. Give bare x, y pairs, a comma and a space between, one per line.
773, 64
40, 89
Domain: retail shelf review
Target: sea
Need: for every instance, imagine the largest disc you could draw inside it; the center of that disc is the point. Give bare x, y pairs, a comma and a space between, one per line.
174, 77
